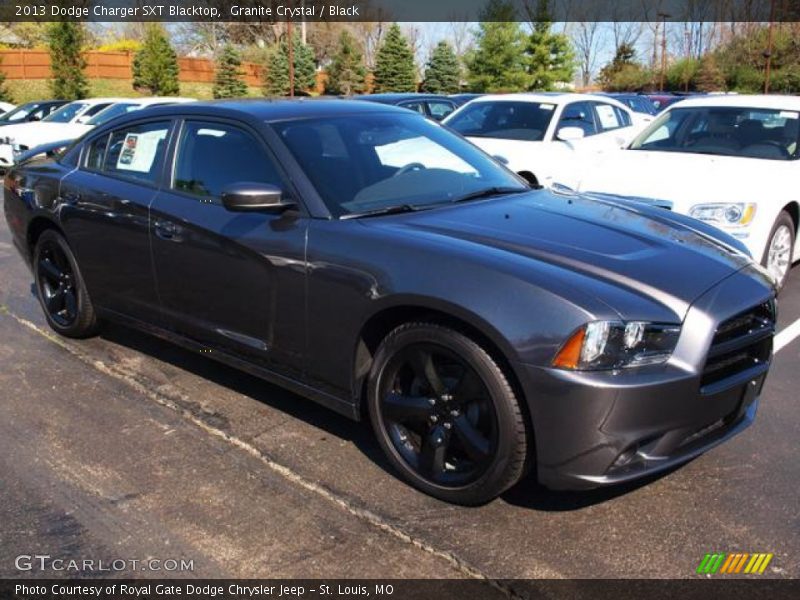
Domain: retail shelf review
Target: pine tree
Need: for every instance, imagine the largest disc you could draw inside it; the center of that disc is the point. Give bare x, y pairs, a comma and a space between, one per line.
155, 66
346, 73
228, 82
442, 72
276, 80
5, 95
394, 65
623, 71
497, 64
710, 77
65, 40
551, 59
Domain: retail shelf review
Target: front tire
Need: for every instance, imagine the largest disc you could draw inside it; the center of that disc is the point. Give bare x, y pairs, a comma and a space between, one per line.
60, 287
780, 248
446, 415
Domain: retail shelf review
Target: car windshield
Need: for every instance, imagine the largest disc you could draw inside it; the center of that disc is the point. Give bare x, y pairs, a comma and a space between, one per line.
370, 163
769, 134
115, 110
19, 113
527, 121
66, 113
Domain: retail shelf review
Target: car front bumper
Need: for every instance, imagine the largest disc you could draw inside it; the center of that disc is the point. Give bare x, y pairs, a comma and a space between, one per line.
606, 427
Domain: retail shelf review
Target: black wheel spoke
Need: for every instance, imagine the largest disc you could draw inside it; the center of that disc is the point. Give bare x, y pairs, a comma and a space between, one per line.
54, 301
433, 452
472, 441
70, 303
422, 363
399, 407
51, 271
468, 388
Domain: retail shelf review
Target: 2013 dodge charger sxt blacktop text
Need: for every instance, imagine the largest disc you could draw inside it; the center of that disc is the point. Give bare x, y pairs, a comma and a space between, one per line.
371, 260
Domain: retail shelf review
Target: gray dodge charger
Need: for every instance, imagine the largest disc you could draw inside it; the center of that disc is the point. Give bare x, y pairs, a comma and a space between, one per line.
375, 262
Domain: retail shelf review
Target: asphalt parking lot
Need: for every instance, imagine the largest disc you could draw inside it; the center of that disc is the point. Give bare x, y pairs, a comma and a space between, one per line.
125, 447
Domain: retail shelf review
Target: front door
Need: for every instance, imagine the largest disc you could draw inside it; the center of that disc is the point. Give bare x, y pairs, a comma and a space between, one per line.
232, 280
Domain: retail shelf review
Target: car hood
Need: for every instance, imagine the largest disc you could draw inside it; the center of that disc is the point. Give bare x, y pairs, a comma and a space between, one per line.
646, 250
34, 134
681, 178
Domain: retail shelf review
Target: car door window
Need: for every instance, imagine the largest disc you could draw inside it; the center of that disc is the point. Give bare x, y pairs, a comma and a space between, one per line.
212, 156
137, 151
610, 117
579, 114
96, 153
440, 109
93, 110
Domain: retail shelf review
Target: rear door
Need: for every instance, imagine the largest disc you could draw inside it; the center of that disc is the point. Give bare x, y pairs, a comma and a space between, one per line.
234, 281
105, 212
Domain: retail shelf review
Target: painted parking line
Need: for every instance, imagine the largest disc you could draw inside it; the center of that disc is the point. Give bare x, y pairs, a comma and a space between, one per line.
786, 336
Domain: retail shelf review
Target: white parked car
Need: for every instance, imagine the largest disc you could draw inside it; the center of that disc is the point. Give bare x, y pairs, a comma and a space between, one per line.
541, 135
731, 161
21, 137
65, 132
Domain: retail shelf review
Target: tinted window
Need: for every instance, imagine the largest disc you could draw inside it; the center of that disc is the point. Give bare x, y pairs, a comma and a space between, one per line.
212, 156
508, 120
137, 151
728, 131
439, 109
388, 160
115, 110
416, 106
96, 152
578, 114
93, 110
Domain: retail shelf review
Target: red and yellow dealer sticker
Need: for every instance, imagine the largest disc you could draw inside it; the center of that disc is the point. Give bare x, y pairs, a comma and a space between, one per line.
729, 563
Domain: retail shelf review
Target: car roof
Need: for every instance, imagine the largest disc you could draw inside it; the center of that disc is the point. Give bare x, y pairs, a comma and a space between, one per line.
399, 97
548, 97
771, 101
268, 109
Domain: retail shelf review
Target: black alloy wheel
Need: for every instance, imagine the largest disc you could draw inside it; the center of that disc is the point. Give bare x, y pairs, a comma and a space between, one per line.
60, 287
446, 415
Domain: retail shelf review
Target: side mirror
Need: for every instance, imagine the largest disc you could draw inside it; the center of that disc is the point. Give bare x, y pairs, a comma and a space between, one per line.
570, 134
33, 118
253, 197
82, 120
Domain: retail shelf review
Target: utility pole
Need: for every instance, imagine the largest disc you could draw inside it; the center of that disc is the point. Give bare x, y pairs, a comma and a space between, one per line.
768, 52
663, 16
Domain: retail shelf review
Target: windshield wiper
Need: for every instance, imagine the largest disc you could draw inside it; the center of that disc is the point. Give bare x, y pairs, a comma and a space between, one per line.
388, 210
486, 193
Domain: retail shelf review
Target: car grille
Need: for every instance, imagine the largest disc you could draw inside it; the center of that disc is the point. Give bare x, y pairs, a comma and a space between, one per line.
740, 344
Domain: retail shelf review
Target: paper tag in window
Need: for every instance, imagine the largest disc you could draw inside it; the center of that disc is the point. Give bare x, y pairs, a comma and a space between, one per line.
608, 118
139, 151
788, 114
547, 106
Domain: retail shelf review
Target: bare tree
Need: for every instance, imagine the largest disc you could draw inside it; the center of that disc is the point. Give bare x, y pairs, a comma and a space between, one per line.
585, 40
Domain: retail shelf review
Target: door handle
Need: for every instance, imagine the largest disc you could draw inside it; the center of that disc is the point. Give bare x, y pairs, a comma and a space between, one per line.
168, 230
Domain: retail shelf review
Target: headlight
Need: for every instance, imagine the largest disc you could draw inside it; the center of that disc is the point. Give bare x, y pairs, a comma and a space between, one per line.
614, 345
733, 214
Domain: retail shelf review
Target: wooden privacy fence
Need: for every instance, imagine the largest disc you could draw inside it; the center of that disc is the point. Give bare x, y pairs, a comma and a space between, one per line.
35, 64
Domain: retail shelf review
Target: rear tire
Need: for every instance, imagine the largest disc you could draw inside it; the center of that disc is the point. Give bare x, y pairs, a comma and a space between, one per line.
61, 289
780, 248
446, 415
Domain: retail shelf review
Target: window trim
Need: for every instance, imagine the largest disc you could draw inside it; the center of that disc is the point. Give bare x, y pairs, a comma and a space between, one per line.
158, 183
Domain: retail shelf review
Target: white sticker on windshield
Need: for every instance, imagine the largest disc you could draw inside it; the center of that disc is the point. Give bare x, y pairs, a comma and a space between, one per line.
608, 118
547, 106
789, 114
139, 151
